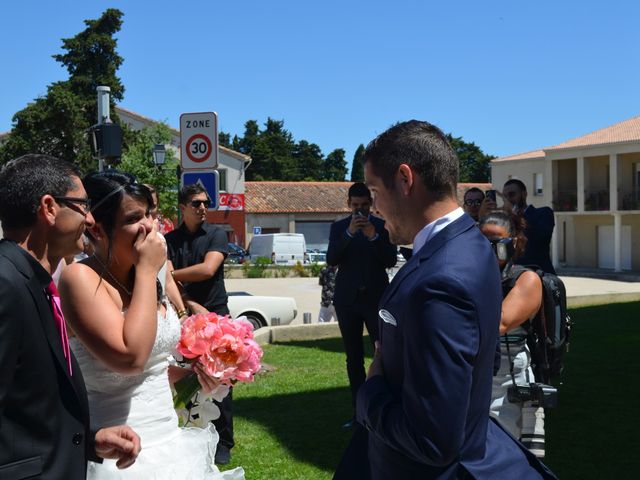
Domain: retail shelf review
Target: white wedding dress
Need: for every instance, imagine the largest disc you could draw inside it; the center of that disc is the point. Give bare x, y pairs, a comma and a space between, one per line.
145, 403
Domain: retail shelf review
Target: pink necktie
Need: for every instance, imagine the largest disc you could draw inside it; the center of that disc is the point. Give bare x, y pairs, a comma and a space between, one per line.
54, 298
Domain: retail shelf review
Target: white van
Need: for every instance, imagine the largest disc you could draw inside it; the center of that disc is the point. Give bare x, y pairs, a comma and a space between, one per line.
280, 248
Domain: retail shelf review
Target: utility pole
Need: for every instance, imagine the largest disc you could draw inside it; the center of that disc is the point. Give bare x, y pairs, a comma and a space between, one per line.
105, 136
103, 114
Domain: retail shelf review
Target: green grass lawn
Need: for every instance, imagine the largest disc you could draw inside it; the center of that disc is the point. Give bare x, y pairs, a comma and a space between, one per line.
288, 422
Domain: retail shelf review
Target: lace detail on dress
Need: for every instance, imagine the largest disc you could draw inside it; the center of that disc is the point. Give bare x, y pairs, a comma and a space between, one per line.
144, 402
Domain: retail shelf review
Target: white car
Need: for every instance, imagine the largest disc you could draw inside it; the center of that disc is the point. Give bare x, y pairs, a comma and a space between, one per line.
261, 310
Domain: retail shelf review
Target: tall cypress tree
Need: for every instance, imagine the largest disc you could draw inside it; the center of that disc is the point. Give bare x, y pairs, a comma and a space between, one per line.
357, 169
57, 123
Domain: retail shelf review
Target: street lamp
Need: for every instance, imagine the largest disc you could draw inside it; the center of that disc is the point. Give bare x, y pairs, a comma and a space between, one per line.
159, 153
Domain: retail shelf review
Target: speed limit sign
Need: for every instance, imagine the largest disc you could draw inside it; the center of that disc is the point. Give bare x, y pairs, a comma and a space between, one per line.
199, 141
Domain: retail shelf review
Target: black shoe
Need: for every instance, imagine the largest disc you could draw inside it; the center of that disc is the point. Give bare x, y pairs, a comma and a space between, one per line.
349, 423
223, 455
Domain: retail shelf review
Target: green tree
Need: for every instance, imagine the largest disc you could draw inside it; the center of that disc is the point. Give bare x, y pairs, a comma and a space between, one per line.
138, 160
308, 161
224, 139
57, 123
335, 166
474, 163
357, 169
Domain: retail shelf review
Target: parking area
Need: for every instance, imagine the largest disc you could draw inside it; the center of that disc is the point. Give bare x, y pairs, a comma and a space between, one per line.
306, 291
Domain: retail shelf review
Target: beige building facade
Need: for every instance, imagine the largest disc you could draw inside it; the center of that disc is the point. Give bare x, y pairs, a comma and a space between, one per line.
593, 184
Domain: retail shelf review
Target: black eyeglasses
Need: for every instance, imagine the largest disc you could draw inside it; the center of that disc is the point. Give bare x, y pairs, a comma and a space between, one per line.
197, 203
469, 203
84, 203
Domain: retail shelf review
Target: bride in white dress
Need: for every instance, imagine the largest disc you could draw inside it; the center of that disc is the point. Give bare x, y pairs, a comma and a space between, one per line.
123, 336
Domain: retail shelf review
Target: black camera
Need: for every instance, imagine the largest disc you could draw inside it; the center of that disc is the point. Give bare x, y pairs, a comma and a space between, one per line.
491, 195
545, 395
359, 213
503, 247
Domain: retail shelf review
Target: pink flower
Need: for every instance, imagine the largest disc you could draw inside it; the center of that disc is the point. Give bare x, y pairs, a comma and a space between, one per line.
225, 347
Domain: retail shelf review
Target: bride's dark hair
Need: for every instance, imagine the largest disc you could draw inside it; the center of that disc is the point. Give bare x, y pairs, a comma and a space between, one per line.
107, 190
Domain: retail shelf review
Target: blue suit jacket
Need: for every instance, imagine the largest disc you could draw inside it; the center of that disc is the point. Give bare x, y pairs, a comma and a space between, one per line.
362, 264
428, 416
540, 223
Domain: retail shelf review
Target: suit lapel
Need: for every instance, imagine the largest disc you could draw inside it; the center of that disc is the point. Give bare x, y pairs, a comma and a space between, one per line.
11, 251
452, 230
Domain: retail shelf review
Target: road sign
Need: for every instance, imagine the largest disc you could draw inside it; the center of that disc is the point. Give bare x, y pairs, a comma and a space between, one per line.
208, 180
257, 230
199, 141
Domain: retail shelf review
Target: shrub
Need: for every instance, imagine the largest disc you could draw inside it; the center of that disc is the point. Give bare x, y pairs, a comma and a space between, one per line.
299, 270
256, 269
315, 269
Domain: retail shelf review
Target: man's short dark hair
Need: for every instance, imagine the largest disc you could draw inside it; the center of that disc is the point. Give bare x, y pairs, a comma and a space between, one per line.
189, 191
424, 148
25, 180
473, 190
359, 189
519, 183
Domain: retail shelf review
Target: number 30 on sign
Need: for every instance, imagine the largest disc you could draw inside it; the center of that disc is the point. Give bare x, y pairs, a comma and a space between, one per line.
199, 141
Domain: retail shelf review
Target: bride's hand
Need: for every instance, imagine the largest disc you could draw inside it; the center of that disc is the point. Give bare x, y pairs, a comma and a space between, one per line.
207, 383
151, 249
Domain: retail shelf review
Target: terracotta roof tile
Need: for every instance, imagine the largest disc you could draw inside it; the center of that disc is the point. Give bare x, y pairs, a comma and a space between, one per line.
311, 197
622, 132
533, 154
627, 131
298, 197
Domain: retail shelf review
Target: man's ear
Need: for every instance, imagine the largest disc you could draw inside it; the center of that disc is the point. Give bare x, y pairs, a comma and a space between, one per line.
96, 231
48, 209
404, 178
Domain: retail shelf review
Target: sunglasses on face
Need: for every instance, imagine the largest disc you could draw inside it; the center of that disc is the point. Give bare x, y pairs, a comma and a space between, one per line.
470, 203
197, 203
83, 203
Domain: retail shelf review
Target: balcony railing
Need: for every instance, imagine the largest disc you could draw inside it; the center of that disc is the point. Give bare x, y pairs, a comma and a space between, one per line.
565, 201
596, 200
630, 201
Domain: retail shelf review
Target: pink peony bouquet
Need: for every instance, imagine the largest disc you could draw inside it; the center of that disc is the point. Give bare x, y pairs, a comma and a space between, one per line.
223, 346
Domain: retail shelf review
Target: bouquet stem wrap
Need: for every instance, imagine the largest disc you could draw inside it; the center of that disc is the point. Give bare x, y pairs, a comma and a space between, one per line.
185, 389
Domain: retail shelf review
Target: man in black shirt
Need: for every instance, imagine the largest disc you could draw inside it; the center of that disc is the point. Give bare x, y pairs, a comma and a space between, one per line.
197, 251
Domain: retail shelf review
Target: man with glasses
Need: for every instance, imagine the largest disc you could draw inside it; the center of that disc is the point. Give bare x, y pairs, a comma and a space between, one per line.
44, 413
473, 199
197, 249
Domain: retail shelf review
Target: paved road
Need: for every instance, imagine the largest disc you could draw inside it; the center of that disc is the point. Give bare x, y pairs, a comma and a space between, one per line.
306, 291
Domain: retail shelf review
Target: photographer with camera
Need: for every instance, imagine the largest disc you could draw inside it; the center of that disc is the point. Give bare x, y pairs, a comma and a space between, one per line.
516, 400
359, 246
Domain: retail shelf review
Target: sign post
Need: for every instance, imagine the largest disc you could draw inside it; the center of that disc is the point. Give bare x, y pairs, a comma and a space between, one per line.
199, 141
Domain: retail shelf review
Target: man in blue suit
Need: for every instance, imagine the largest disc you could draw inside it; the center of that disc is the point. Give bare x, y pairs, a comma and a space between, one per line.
540, 223
425, 403
360, 246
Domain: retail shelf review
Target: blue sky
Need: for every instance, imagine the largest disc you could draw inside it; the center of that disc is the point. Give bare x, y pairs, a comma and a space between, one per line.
508, 75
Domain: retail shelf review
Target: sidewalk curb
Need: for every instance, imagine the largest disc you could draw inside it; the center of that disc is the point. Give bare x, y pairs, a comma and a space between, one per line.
291, 333
602, 299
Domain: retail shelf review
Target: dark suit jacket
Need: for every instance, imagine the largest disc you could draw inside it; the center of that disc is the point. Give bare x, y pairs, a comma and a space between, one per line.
540, 223
44, 413
428, 416
362, 264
